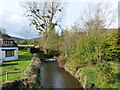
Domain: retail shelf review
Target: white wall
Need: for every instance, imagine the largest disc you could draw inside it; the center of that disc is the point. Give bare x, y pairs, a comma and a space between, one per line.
2, 54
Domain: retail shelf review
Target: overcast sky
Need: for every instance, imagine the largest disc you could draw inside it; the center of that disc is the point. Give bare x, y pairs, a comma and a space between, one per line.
13, 20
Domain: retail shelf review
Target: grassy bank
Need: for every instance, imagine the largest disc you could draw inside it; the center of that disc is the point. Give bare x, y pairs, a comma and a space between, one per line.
20, 65
30, 78
89, 76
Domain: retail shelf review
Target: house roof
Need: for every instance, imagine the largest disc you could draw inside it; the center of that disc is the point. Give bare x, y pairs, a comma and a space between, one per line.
7, 41
5, 37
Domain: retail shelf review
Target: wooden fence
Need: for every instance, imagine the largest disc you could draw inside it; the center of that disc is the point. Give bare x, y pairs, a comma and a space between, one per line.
7, 73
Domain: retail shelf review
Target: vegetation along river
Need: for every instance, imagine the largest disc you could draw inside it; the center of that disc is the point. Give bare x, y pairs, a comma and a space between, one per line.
52, 76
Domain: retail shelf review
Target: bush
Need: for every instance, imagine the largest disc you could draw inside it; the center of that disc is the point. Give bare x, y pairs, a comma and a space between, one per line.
52, 53
105, 71
111, 50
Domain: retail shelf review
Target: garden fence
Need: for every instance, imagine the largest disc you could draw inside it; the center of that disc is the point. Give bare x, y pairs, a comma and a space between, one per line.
8, 73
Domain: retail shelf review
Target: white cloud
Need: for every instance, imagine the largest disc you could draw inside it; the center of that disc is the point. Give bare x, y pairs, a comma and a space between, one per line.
16, 18
12, 19
1, 11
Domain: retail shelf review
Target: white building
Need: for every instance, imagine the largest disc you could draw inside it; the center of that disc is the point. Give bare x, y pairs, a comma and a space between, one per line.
8, 48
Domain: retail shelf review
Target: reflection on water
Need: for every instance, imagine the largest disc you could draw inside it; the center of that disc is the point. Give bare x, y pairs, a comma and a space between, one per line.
53, 76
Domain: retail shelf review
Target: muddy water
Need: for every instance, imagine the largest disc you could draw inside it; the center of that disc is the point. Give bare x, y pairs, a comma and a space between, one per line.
52, 76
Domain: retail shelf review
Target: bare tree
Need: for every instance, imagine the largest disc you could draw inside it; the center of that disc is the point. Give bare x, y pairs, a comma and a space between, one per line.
97, 16
2, 31
44, 16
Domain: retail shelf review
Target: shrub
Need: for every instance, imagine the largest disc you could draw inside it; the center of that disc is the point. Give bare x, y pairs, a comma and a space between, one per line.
111, 50
105, 71
52, 53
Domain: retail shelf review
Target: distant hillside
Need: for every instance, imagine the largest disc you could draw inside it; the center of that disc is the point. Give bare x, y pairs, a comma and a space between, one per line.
17, 39
34, 38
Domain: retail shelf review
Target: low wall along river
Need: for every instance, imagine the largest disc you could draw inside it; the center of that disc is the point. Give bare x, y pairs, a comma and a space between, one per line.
52, 76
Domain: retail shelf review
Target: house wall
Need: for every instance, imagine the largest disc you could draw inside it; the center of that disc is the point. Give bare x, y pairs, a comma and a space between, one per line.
2, 54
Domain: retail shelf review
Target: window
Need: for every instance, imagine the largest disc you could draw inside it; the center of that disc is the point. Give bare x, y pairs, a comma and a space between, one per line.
11, 42
8, 42
9, 53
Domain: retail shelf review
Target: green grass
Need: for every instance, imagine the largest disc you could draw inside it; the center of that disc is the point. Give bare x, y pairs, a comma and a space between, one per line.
24, 57
26, 45
90, 72
92, 77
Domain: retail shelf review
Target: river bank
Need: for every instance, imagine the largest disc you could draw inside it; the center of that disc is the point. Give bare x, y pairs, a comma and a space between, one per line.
72, 71
88, 75
79, 74
30, 78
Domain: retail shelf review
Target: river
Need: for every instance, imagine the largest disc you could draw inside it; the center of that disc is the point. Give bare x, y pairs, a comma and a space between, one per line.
52, 76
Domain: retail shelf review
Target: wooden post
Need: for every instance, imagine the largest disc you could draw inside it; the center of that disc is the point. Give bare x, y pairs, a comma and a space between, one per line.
6, 76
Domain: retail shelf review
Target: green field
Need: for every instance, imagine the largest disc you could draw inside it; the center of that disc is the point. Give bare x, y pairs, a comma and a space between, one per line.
24, 57
26, 45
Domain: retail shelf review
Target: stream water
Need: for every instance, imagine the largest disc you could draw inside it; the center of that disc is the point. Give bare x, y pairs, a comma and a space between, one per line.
52, 76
